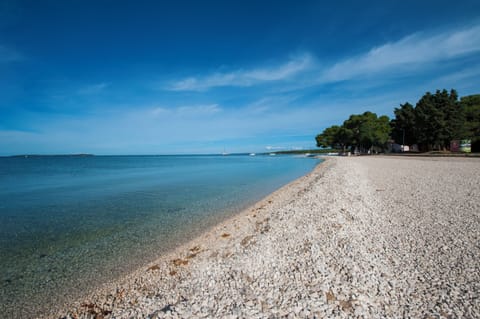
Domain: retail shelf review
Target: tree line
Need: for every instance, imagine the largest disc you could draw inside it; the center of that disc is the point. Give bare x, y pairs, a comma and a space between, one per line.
432, 124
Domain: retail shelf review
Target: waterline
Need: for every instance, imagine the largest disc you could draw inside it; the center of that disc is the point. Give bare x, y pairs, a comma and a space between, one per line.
68, 224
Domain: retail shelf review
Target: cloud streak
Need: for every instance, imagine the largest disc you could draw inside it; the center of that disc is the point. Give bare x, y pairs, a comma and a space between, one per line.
414, 50
186, 111
300, 96
408, 55
93, 88
245, 78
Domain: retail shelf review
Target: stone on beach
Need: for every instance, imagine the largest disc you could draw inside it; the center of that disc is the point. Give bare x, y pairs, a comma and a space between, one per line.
363, 237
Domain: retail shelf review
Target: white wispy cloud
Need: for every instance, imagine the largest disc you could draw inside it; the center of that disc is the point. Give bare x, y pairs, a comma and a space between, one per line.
8, 54
244, 77
295, 101
465, 77
93, 88
411, 51
270, 103
410, 54
186, 111
150, 129
199, 109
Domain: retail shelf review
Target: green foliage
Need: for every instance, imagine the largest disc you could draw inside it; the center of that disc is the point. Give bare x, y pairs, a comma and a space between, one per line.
430, 121
471, 110
329, 137
403, 125
433, 123
361, 130
368, 130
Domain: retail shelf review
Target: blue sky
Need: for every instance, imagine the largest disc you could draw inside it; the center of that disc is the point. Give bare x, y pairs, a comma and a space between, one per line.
162, 77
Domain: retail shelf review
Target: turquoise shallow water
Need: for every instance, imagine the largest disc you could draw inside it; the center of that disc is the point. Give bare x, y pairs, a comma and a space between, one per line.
70, 223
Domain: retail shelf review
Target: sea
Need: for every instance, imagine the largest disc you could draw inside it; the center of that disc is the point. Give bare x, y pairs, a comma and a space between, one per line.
70, 223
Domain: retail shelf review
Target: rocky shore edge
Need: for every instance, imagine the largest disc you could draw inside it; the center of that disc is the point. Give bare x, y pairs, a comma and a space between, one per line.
221, 241
364, 237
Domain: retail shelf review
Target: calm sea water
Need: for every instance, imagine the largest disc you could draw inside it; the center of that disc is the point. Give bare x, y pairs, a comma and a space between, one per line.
70, 223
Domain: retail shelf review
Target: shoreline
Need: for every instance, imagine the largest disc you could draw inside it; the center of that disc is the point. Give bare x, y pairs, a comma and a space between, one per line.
166, 257
356, 237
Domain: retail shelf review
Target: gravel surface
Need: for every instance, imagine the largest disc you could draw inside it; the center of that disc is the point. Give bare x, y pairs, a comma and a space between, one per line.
362, 237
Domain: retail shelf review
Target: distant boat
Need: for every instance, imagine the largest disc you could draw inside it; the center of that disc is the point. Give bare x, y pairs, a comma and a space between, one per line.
272, 154
224, 153
252, 154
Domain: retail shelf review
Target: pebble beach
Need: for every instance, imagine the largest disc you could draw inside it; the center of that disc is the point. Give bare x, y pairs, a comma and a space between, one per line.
358, 237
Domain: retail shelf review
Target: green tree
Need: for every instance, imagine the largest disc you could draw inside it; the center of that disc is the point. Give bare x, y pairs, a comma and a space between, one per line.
429, 121
453, 114
368, 130
433, 123
328, 138
382, 131
334, 137
403, 125
471, 110
438, 119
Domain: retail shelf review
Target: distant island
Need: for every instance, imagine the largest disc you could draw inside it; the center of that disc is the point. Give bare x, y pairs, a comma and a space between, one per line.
54, 155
